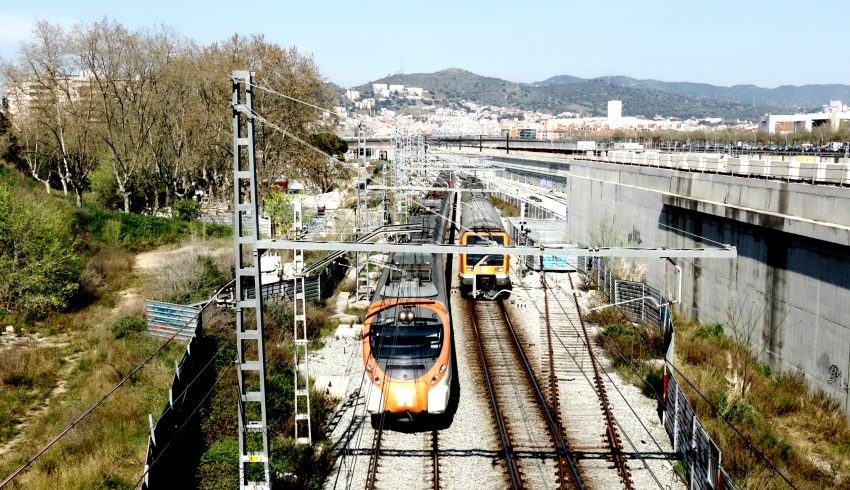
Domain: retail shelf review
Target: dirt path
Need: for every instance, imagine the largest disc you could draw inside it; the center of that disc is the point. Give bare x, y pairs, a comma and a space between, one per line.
129, 299
70, 362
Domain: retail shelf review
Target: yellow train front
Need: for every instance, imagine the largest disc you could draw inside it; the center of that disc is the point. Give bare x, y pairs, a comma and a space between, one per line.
407, 332
483, 276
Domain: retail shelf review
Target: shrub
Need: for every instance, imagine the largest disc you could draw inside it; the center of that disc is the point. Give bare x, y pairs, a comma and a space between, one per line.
653, 387
39, 266
127, 325
300, 466
138, 233
191, 277
709, 332
105, 187
187, 209
219, 466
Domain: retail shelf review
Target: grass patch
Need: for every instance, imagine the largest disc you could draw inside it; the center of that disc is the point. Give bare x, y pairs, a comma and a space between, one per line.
506, 209
127, 326
138, 233
294, 466
803, 433
635, 351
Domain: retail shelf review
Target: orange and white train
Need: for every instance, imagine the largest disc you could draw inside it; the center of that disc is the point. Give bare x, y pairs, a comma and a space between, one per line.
483, 276
407, 331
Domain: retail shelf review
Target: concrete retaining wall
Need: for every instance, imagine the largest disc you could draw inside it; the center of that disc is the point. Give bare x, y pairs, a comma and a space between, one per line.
784, 295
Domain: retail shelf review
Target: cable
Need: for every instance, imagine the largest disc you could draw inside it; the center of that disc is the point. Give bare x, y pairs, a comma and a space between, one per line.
633, 213
169, 407
253, 114
271, 91
586, 343
183, 425
714, 410
77, 420
732, 426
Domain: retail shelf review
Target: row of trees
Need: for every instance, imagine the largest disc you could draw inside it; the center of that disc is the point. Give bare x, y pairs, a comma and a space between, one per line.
144, 116
819, 135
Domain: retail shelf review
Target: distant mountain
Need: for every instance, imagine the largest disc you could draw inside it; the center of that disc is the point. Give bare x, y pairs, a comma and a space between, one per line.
561, 79
647, 98
784, 97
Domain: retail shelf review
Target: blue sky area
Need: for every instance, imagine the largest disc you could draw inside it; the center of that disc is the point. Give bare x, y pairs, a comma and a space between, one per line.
719, 42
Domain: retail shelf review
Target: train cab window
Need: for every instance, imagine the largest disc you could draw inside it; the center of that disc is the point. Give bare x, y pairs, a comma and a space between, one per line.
420, 338
472, 259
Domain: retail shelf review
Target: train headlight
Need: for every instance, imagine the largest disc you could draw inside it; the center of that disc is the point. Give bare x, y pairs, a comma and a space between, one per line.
442, 368
377, 381
500, 269
468, 269
368, 367
434, 380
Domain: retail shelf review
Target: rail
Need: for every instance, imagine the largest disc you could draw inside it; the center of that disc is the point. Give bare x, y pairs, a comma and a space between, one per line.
372, 475
513, 471
611, 434
554, 426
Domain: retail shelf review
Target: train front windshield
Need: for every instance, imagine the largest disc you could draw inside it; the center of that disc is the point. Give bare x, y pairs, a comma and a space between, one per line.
472, 259
421, 338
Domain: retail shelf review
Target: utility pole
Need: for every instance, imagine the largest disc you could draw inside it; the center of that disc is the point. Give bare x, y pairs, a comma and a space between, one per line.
250, 352
303, 432
362, 222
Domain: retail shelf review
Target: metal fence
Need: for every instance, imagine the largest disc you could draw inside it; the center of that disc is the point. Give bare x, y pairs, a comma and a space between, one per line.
317, 286
169, 460
696, 450
168, 454
227, 220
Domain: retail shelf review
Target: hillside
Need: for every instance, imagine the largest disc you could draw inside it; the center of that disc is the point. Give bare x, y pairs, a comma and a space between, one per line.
647, 98
787, 97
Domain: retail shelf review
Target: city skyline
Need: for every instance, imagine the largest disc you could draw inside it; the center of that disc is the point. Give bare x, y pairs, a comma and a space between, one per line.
727, 44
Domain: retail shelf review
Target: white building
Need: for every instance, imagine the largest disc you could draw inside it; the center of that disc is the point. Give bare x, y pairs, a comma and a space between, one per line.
396, 89
833, 113
415, 91
377, 87
615, 113
352, 95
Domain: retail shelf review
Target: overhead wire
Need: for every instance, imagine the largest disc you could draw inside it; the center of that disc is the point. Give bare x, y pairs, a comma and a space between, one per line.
109, 393
275, 92
183, 425
169, 407
713, 408
621, 210
611, 381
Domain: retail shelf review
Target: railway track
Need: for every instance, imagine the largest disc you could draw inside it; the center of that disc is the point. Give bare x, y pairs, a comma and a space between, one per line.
531, 437
577, 388
401, 460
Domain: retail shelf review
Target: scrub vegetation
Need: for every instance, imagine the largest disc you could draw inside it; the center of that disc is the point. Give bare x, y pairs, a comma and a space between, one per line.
802, 432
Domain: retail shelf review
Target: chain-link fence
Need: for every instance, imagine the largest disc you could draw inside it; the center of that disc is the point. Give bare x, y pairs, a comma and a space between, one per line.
696, 450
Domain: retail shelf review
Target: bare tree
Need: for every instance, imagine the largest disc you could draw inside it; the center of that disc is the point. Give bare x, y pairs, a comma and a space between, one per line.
126, 70
745, 318
157, 109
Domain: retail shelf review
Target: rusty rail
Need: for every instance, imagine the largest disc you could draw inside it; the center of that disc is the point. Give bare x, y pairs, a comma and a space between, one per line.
611, 434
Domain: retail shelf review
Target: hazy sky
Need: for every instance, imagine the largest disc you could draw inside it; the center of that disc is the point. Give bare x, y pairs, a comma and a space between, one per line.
719, 42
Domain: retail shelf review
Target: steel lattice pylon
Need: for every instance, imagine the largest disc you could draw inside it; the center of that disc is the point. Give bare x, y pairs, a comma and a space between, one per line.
362, 217
299, 336
250, 363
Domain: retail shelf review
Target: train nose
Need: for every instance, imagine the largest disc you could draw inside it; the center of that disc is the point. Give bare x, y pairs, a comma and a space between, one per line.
407, 397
